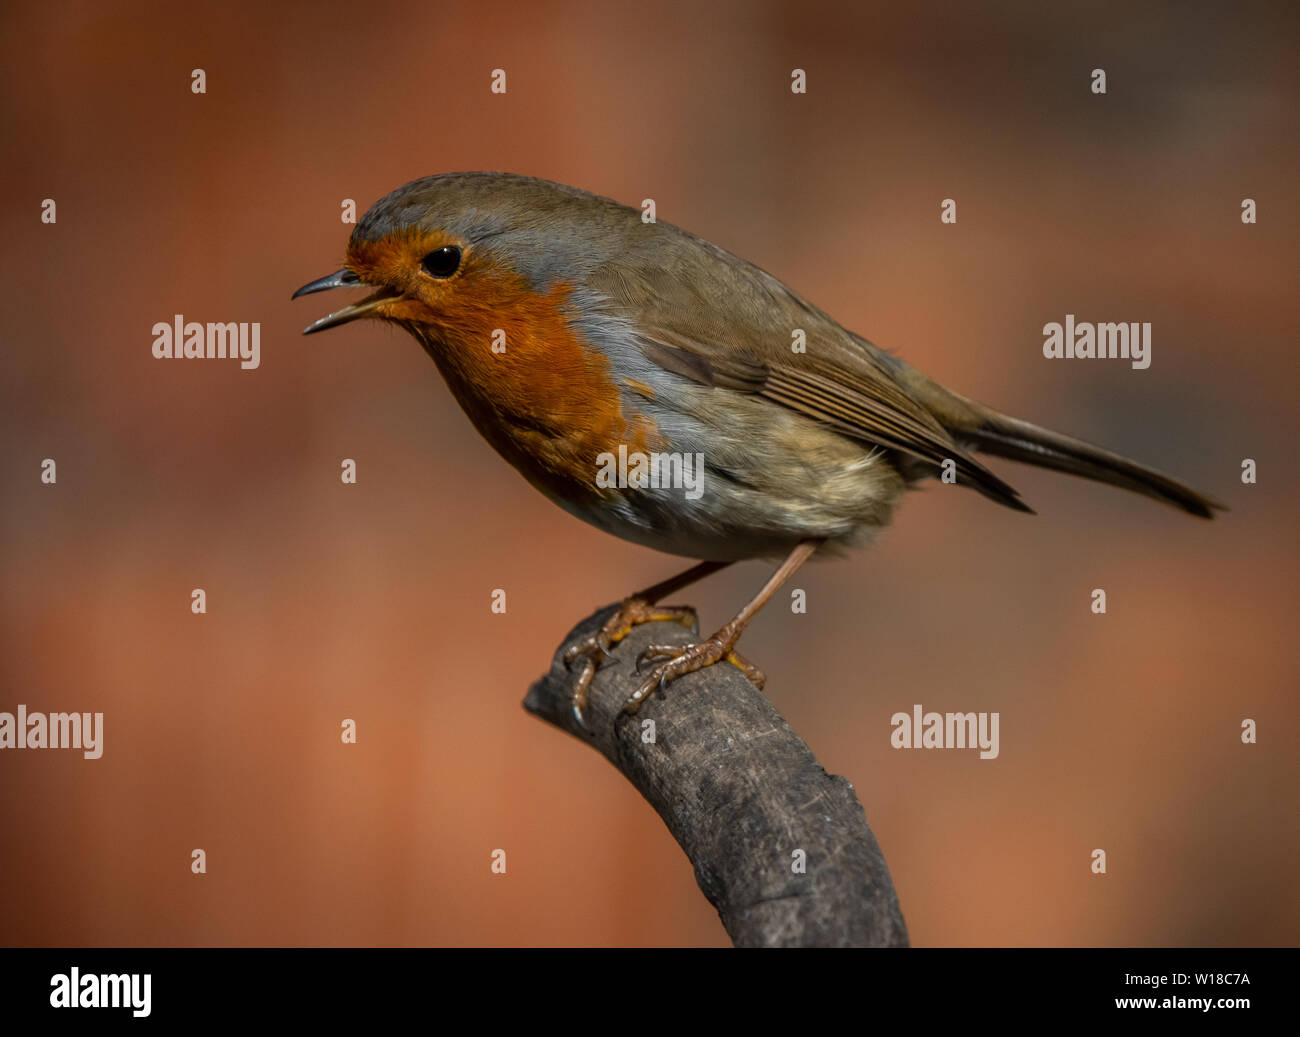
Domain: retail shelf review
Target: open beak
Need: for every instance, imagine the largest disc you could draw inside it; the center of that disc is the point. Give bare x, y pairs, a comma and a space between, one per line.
342, 279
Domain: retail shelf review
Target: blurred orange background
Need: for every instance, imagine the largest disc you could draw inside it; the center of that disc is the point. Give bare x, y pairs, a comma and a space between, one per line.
371, 601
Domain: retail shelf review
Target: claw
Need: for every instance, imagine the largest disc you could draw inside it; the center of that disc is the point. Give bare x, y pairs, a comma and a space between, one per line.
684, 659
665, 651
578, 718
580, 686
594, 650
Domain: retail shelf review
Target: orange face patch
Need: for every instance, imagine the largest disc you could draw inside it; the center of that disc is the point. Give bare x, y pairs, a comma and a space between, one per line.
542, 396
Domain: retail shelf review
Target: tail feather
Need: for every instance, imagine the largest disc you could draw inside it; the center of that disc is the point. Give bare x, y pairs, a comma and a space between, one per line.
1018, 440
990, 432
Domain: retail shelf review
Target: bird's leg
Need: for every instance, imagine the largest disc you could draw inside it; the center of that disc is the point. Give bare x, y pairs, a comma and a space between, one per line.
683, 659
641, 607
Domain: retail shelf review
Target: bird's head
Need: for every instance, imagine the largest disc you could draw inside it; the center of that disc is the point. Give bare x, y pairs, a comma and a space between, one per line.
448, 256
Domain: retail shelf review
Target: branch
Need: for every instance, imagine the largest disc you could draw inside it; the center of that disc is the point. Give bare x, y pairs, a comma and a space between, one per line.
740, 792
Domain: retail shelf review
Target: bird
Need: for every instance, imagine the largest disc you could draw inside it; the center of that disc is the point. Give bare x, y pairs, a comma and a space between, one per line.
573, 331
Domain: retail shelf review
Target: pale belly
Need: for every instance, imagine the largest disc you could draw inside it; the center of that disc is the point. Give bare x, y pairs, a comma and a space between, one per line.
751, 490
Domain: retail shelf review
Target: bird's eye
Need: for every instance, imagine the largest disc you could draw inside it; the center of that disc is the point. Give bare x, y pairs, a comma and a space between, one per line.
442, 262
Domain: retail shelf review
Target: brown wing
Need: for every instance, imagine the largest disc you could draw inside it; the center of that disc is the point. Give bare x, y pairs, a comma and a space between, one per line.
869, 408
841, 381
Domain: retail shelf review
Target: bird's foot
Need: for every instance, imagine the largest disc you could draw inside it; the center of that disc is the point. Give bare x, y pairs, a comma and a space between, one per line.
683, 659
593, 649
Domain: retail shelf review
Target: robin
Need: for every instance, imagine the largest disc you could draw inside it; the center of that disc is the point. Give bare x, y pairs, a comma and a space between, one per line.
598, 352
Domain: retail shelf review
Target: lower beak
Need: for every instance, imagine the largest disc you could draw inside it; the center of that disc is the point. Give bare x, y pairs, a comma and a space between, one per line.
342, 279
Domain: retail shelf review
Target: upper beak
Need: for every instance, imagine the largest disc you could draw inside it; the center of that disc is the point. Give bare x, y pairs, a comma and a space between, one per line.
341, 279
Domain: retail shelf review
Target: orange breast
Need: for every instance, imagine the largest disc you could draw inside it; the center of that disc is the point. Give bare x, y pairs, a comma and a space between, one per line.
545, 400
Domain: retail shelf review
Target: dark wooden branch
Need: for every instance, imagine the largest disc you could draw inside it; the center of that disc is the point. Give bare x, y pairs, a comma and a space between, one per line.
741, 793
